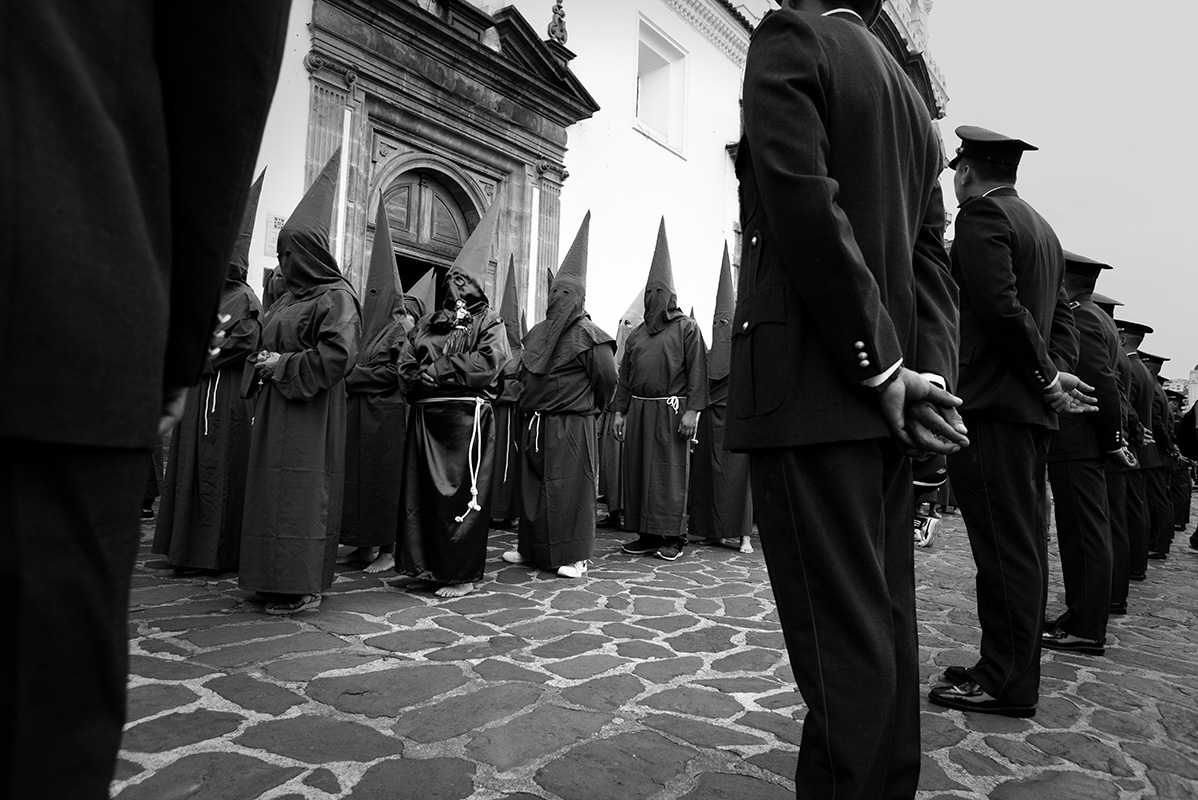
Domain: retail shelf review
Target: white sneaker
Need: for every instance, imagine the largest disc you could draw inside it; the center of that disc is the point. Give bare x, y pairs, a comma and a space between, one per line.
575, 570
514, 557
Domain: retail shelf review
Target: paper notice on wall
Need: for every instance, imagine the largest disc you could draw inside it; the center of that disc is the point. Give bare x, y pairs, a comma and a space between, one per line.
274, 224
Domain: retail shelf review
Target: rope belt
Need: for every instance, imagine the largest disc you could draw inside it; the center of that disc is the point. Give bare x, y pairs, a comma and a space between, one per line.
674, 402
474, 452
210, 400
536, 419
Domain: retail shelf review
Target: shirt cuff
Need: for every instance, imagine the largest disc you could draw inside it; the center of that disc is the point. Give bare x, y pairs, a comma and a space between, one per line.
880, 378
934, 379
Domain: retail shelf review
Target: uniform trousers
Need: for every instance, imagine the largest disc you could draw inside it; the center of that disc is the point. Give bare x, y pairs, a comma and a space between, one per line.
835, 527
1160, 517
1123, 513
1084, 538
999, 483
70, 517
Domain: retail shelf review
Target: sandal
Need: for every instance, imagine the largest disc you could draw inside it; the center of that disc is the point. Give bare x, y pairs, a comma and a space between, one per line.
298, 603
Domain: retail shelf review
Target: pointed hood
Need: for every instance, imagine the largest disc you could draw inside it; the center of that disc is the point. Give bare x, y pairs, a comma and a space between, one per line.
548, 280
567, 301
424, 292
383, 302
307, 266
509, 308
629, 321
239, 261
661, 300
472, 263
720, 355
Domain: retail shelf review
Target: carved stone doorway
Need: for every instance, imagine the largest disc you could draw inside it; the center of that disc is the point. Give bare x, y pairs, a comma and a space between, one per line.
431, 216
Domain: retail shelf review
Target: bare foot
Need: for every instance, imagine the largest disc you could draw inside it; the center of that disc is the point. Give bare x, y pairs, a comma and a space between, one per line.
745, 545
385, 562
455, 590
358, 555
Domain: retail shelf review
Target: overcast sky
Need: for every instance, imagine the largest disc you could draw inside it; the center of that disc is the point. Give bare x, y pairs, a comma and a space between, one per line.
1107, 91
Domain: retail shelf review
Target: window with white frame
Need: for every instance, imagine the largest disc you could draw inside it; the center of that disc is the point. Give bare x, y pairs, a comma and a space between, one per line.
660, 87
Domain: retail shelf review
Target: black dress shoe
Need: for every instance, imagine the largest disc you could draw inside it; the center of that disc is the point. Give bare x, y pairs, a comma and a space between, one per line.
1058, 639
1157, 555
1137, 576
955, 675
969, 696
1118, 608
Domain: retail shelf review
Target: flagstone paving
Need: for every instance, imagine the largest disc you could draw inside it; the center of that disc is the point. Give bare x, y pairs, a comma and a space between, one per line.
646, 679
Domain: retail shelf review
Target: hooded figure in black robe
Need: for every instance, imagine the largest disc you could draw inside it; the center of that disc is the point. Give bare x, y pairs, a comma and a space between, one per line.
611, 449
568, 375
719, 511
376, 424
662, 388
296, 478
450, 369
505, 478
199, 516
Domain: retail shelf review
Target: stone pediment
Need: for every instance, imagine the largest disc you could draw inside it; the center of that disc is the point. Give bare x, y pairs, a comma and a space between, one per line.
499, 51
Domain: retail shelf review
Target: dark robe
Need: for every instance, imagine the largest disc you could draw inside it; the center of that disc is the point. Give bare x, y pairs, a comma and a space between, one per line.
560, 452
505, 472
296, 477
719, 505
199, 517
450, 447
663, 375
376, 426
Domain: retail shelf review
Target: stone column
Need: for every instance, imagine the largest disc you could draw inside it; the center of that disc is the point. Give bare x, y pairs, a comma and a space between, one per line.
550, 177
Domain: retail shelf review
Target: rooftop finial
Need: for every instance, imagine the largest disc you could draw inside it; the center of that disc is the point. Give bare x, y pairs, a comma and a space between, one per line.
557, 27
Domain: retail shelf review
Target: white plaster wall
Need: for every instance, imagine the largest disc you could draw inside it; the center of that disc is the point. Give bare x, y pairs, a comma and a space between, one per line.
285, 139
628, 181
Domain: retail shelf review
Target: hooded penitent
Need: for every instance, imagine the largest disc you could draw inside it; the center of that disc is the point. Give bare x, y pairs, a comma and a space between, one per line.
465, 297
509, 308
307, 266
239, 260
566, 306
661, 300
384, 301
423, 296
629, 320
719, 356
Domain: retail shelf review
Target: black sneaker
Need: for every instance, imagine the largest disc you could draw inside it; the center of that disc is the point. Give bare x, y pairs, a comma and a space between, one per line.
669, 552
641, 547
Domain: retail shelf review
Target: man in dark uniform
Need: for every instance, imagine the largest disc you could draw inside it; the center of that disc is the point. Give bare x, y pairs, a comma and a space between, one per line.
1161, 495
1123, 479
1017, 345
835, 318
1075, 470
127, 145
1144, 492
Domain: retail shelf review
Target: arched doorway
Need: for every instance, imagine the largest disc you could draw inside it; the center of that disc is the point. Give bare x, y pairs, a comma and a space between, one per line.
431, 217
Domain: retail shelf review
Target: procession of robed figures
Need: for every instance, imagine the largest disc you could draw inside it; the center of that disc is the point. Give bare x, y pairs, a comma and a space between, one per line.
395, 429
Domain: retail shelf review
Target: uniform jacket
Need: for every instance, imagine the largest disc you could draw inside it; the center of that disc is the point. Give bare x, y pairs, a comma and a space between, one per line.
843, 265
1094, 434
1016, 326
1142, 399
127, 146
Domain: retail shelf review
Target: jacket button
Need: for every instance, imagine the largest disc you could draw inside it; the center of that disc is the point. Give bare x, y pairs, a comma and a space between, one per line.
865, 362
753, 241
745, 326
859, 345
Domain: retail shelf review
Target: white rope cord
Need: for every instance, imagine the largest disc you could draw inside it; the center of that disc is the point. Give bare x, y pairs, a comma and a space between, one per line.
210, 400
672, 401
536, 418
476, 443
507, 446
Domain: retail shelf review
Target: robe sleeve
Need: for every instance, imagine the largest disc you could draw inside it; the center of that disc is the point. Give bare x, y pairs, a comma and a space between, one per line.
303, 375
601, 366
381, 374
478, 368
241, 340
697, 397
623, 384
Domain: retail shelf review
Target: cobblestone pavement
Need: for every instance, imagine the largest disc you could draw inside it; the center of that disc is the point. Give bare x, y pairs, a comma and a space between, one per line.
646, 679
